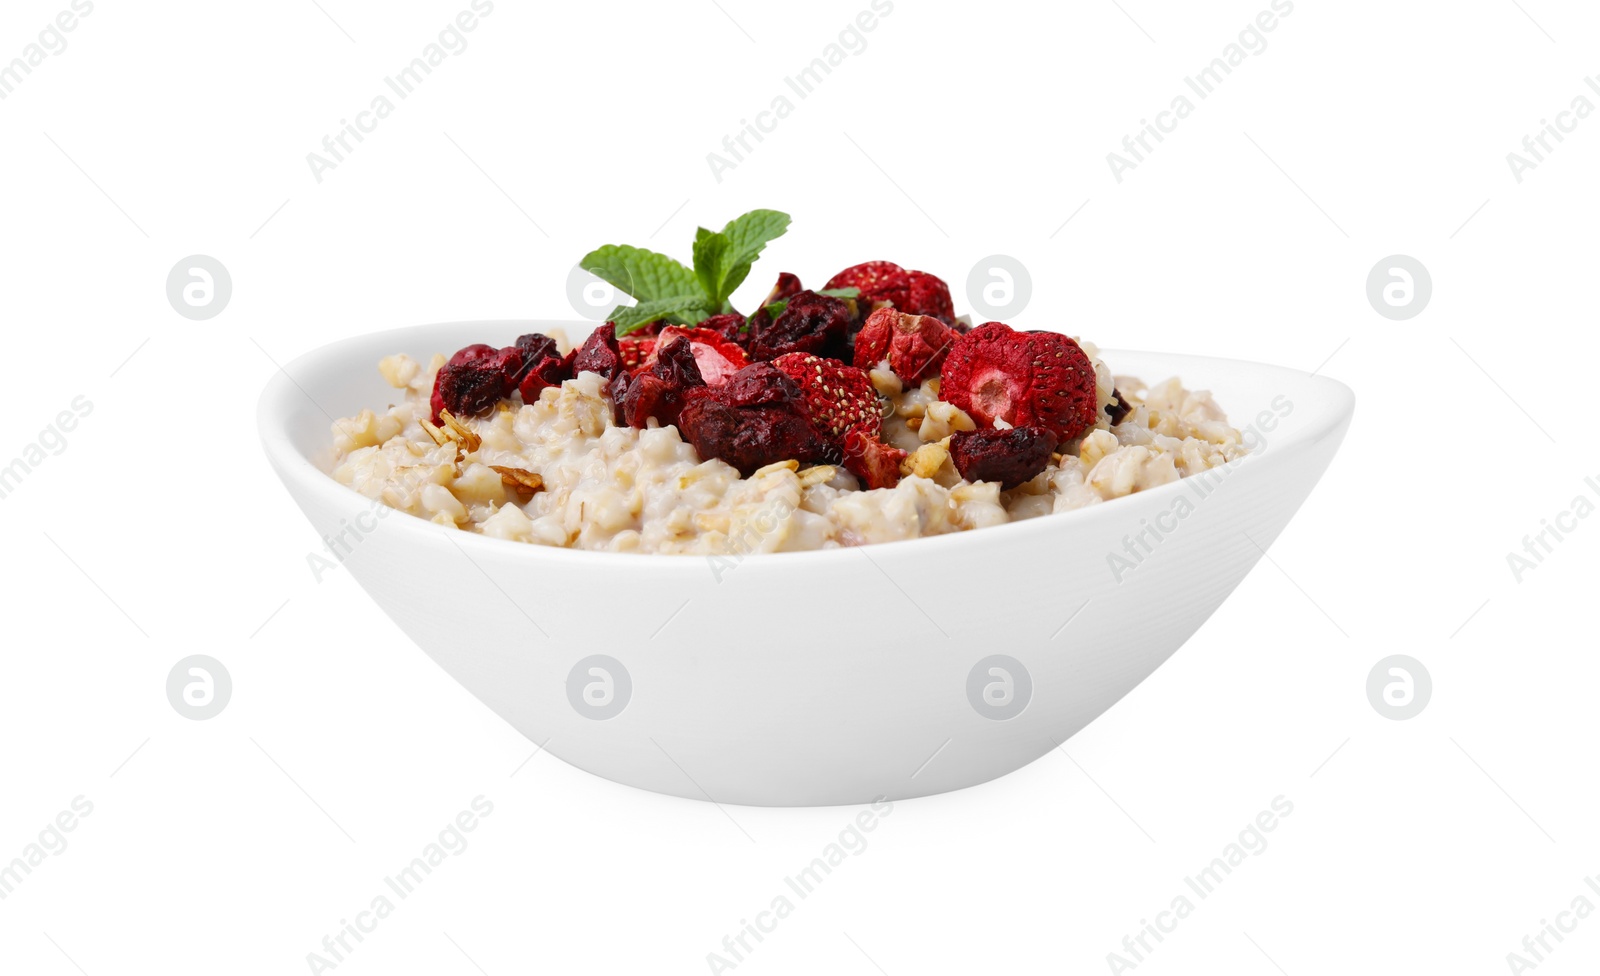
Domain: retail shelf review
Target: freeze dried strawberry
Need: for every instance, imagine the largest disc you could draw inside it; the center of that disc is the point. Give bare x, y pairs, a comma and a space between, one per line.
867, 457
915, 345
1024, 378
718, 358
912, 292
755, 419
810, 323
927, 294
1119, 408
839, 398
475, 379
600, 353
878, 281
636, 350
660, 390
1010, 457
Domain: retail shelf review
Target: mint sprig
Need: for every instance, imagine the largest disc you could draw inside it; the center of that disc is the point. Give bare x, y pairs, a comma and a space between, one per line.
664, 289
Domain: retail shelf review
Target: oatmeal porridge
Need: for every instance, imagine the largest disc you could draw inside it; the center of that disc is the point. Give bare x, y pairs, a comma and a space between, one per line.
603, 485
865, 411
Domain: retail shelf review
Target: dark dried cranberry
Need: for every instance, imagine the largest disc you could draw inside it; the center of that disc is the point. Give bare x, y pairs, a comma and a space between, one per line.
731, 326
659, 391
810, 323
1010, 457
552, 370
475, 379
761, 384
755, 419
600, 353
753, 437
787, 286
617, 389
1119, 408
535, 347
542, 365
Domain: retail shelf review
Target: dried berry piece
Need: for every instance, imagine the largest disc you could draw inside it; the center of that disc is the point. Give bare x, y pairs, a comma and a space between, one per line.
927, 294
1010, 457
755, 419
600, 353
867, 457
547, 372
787, 286
810, 323
839, 398
535, 347
635, 349
659, 391
1119, 408
1024, 378
878, 281
915, 345
768, 386
729, 325
543, 365
912, 292
719, 358
475, 379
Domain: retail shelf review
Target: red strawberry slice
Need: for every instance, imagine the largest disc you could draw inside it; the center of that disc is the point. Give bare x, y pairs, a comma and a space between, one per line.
927, 294
878, 281
840, 398
914, 292
717, 356
636, 350
915, 345
1024, 378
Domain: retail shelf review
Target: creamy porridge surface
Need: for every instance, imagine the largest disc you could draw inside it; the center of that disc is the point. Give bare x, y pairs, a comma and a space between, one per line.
621, 489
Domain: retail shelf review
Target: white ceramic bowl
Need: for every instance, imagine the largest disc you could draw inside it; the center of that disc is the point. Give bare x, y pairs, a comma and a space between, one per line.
825, 677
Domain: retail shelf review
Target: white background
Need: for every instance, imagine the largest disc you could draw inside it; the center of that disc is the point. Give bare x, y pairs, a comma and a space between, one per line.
1364, 129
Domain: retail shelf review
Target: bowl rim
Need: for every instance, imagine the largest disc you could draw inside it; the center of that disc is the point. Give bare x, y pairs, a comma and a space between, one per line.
274, 408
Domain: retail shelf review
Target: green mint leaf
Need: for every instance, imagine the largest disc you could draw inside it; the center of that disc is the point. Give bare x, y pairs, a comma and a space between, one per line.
750, 233
644, 275
710, 263
747, 236
685, 309
841, 292
776, 308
